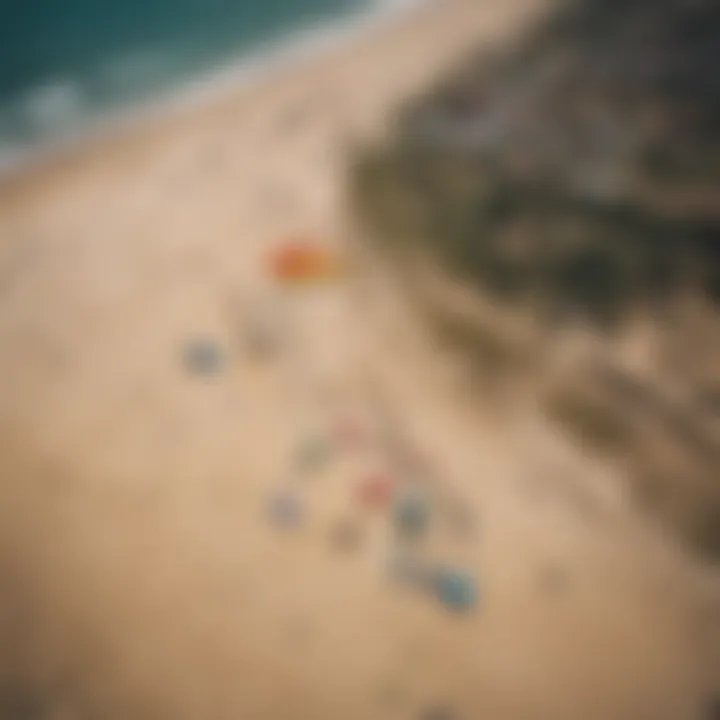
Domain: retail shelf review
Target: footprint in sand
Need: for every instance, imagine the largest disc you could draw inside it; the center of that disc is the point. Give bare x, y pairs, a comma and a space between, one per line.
391, 694
553, 579
346, 536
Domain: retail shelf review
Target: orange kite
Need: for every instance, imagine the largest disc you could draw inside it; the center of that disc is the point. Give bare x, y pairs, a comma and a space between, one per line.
302, 261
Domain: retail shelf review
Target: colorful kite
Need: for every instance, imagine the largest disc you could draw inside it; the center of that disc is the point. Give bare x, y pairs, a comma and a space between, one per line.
302, 262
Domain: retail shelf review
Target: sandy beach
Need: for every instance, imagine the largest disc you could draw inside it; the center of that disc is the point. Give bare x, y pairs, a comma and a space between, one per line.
141, 577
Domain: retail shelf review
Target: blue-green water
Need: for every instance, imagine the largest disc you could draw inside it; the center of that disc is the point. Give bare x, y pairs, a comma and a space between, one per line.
62, 61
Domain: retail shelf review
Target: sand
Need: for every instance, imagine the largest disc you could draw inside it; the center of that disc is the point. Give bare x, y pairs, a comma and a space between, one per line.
141, 574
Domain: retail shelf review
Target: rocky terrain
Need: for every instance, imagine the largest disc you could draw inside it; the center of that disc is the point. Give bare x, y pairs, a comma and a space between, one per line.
571, 185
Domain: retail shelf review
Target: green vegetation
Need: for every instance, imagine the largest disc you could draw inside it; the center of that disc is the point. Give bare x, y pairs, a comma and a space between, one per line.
542, 176
491, 356
576, 179
592, 422
529, 241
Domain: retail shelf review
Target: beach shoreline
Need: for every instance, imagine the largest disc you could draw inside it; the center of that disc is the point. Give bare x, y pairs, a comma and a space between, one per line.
362, 53
240, 74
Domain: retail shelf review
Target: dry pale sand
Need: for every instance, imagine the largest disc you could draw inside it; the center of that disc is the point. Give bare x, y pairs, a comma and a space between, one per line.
140, 575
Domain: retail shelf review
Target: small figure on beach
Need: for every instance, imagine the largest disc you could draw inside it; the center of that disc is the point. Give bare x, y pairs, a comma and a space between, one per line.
375, 491
408, 569
203, 356
262, 332
285, 509
312, 454
349, 434
411, 513
346, 535
438, 713
455, 589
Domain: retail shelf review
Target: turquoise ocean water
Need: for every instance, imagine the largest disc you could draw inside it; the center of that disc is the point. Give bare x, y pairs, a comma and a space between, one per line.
65, 62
